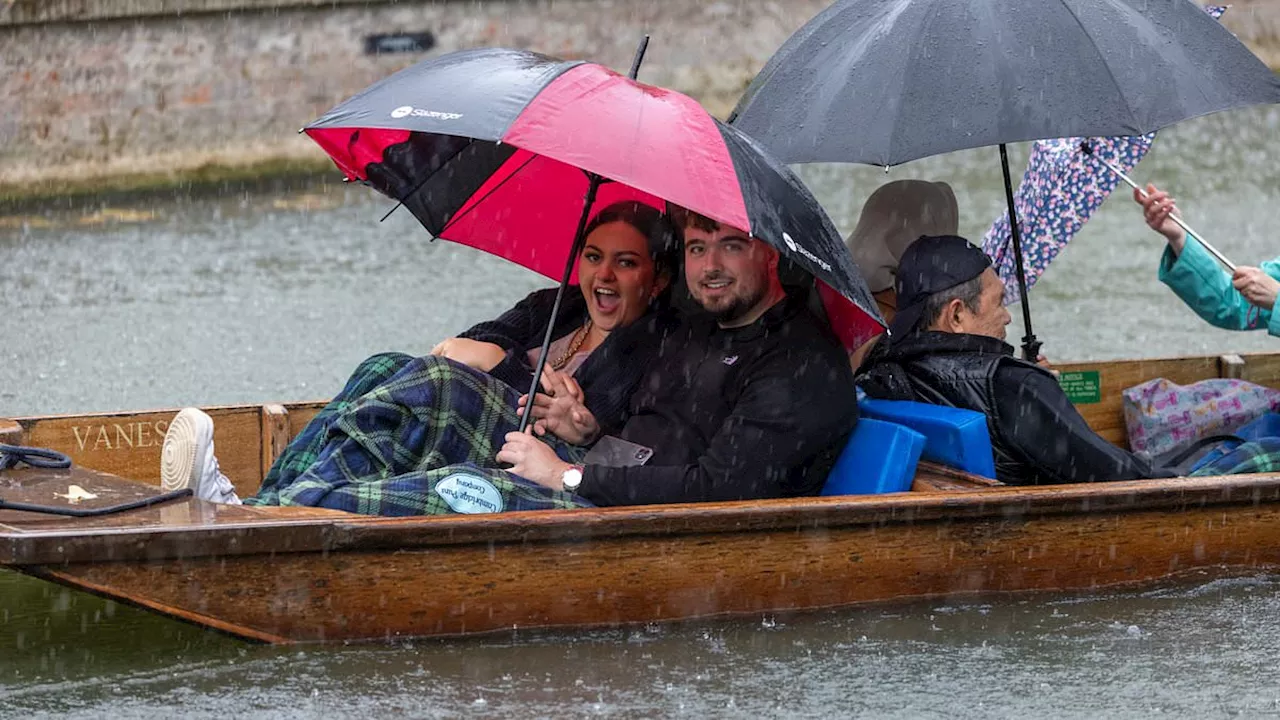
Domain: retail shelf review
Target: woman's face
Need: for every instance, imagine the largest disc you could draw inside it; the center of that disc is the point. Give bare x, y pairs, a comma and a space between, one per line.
616, 275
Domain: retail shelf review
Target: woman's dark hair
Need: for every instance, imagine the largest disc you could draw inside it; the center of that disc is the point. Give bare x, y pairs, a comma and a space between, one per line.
650, 222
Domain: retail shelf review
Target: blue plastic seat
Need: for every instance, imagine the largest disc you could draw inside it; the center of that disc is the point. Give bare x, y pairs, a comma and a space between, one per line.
954, 437
880, 457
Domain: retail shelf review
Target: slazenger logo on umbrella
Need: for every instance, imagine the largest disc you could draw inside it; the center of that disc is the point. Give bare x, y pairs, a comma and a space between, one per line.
798, 248
407, 110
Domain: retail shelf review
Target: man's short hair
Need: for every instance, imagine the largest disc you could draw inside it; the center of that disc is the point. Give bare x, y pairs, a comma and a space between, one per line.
684, 218
968, 292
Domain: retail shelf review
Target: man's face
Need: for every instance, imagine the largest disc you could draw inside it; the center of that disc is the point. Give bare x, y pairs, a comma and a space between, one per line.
991, 316
728, 273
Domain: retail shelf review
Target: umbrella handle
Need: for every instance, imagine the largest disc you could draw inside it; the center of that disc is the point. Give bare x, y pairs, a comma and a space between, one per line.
593, 184
1087, 150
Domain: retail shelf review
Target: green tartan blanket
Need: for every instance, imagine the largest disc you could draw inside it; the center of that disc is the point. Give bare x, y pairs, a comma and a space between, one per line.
411, 436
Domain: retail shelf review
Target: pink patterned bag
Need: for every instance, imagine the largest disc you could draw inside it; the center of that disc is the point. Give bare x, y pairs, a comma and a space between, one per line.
1161, 416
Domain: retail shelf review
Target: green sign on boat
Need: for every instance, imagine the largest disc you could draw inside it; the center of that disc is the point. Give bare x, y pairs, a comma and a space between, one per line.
1083, 387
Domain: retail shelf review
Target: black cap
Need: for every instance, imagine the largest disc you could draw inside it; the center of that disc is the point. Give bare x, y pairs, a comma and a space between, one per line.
930, 265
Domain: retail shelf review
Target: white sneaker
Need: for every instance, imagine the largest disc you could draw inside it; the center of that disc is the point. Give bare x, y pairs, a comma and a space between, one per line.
187, 459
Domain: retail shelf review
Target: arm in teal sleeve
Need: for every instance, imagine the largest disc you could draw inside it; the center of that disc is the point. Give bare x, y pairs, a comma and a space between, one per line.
1272, 268
1206, 288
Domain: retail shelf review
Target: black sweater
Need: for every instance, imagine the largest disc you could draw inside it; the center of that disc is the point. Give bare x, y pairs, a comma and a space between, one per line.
610, 373
753, 412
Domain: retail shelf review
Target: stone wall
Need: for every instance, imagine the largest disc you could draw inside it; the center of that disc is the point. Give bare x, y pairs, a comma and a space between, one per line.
147, 94
157, 89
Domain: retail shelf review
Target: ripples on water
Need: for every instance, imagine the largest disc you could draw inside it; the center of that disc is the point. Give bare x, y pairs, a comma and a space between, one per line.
276, 296
1183, 649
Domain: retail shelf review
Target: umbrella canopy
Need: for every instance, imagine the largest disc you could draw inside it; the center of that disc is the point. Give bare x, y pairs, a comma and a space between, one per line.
1059, 192
888, 81
1061, 189
884, 82
497, 149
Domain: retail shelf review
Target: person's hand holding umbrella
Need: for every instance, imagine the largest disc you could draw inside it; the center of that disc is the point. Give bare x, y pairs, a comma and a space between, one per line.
1158, 209
1256, 286
1204, 287
533, 459
561, 410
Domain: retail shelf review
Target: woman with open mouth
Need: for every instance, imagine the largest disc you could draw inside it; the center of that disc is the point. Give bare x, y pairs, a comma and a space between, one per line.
464, 393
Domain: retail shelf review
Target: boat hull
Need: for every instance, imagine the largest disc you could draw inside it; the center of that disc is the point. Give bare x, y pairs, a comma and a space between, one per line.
375, 579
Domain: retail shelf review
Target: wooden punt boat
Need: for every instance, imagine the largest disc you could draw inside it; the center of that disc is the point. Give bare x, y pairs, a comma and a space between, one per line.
299, 574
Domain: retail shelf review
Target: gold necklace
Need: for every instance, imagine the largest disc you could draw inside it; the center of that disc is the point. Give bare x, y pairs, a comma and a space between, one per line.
579, 337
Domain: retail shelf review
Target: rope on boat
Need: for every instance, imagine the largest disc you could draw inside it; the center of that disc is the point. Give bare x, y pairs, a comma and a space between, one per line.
11, 455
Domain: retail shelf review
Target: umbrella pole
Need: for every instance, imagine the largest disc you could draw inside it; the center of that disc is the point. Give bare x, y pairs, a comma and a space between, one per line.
1087, 149
593, 184
1030, 345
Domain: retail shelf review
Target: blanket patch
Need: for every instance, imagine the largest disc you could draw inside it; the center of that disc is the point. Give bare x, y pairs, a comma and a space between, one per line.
470, 494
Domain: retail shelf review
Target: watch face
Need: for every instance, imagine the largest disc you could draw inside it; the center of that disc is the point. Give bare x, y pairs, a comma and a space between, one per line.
571, 479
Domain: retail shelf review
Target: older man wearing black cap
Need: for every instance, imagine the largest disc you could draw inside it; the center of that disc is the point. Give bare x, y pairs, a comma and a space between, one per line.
947, 348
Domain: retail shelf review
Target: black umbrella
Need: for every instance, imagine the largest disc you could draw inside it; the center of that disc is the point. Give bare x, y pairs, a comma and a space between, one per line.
884, 82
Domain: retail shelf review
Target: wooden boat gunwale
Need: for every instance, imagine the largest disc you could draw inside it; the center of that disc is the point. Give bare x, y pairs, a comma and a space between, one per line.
341, 532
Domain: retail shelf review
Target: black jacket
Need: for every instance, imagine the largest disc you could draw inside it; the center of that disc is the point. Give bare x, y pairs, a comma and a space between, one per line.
610, 373
753, 412
1037, 435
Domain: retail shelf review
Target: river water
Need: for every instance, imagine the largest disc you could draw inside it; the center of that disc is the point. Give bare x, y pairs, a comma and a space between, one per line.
257, 295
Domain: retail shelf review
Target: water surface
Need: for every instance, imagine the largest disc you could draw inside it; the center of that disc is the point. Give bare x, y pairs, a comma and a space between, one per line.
256, 297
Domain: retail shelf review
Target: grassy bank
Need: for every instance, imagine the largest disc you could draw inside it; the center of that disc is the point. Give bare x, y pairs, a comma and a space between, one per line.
209, 177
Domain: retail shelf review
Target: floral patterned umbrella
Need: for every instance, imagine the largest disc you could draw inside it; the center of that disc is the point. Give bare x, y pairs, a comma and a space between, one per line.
1060, 190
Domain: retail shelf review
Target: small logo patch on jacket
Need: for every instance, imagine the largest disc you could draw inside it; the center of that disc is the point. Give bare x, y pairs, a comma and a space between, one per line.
730, 359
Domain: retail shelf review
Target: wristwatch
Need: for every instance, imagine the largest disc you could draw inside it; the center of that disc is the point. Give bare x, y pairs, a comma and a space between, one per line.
572, 478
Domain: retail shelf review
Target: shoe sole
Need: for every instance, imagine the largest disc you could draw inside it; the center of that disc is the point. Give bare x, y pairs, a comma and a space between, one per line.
189, 434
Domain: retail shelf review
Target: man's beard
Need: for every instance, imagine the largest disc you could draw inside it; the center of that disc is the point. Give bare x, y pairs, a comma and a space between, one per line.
737, 306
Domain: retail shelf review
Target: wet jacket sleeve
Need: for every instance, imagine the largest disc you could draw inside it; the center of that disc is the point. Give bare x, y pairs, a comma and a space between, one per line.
1197, 278
784, 417
1043, 426
515, 331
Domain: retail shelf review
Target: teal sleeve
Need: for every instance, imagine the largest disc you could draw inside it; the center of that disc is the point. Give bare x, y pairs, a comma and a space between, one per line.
1272, 268
1197, 278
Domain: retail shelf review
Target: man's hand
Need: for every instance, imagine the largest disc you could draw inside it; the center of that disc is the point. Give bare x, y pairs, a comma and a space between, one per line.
1043, 362
1256, 286
560, 410
482, 356
1158, 209
531, 458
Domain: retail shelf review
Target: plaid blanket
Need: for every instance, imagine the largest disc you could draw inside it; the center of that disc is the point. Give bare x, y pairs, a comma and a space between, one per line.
1260, 456
420, 442
301, 452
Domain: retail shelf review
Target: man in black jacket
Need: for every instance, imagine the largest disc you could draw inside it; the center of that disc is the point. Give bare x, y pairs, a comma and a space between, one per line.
754, 399
947, 348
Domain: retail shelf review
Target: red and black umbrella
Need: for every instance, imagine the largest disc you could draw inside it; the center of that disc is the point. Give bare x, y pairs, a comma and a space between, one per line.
497, 149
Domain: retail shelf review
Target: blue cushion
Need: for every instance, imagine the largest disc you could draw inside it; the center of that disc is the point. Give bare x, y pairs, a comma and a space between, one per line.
880, 457
954, 437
